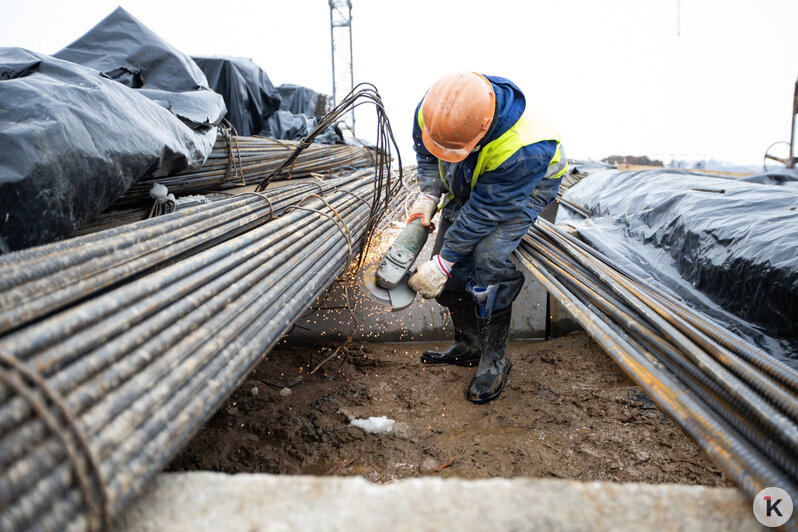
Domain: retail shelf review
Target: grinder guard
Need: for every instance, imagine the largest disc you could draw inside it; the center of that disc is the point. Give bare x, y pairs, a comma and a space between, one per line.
388, 283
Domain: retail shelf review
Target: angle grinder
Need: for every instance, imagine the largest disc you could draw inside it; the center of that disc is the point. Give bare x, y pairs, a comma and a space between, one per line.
387, 281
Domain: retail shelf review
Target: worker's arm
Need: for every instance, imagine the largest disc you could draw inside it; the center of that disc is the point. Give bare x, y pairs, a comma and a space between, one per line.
429, 178
500, 195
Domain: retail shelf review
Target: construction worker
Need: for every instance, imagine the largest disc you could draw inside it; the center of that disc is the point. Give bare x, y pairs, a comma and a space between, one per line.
491, 164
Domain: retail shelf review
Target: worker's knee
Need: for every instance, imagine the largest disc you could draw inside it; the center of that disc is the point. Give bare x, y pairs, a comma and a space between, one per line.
493, 254
496, 281
497, 295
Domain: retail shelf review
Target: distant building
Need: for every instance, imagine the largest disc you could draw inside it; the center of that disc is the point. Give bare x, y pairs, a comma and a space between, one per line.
632, 159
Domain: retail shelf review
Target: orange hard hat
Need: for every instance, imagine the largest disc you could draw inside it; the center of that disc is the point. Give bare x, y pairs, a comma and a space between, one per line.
457, 112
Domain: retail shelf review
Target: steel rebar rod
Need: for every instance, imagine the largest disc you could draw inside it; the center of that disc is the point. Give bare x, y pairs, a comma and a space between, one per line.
730, 392
236, 161
229, 286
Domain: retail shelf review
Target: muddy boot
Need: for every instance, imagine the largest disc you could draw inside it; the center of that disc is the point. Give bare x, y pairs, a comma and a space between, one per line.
494, 365
465, 351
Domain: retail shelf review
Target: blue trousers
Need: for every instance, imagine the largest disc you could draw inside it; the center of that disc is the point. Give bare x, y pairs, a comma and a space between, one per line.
488, 274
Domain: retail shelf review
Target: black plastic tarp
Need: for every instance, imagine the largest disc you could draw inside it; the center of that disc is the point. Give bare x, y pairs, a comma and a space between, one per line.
247, 91
784, 177
125, 50
302, 100
285, 125
72, 139
728, 247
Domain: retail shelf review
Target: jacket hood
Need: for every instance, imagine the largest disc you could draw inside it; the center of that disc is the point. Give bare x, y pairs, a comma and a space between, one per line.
510, 105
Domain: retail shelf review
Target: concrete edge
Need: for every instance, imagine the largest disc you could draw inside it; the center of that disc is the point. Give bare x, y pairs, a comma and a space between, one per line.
217, 501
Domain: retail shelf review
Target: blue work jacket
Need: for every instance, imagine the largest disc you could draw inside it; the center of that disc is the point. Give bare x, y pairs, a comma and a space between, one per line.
500, 195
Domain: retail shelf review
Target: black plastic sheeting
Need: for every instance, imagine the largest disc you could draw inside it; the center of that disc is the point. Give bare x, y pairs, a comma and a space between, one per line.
72, 141
125, 50
74, 137
256, 107
302, 100
249, 94
784, 177
285, 125
727, 247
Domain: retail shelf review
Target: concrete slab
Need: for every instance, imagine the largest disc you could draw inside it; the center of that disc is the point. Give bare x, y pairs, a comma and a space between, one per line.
204, 501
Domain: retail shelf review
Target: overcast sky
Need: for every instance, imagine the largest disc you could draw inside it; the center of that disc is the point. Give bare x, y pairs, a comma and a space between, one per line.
613, 75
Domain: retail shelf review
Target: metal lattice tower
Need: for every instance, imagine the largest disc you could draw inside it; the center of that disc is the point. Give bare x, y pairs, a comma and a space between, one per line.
341, 48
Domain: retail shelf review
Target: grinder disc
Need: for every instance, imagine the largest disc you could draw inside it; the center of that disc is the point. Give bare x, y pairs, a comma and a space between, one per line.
377, 293
397, 298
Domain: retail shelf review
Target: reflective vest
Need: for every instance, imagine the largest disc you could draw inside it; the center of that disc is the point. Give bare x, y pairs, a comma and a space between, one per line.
532, 127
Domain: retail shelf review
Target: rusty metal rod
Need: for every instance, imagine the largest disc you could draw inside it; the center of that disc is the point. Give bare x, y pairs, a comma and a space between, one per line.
252, 159
163, 313
140, 398
744, 464
774, 367
734, 412
27, 496
778, 408
630, 320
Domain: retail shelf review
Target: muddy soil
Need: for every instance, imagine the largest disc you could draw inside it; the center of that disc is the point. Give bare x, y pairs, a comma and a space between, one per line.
567, 412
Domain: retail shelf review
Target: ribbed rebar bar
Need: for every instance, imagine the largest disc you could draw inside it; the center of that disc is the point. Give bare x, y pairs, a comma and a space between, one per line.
737, 402
240, 161
166, 345
117, 345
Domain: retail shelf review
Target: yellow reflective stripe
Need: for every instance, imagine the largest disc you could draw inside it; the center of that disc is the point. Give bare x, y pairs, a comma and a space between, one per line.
532, 127
558, 165
561, 173
445, 200
557, 156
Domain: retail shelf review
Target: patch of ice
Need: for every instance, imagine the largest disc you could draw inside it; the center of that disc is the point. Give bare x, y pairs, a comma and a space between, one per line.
375, 425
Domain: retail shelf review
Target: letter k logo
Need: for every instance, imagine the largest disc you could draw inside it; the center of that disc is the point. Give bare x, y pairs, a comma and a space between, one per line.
772, 506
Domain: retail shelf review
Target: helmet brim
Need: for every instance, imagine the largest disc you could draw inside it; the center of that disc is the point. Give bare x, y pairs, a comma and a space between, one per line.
448, 154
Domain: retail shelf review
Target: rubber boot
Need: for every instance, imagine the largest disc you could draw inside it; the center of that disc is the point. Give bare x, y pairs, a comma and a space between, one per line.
465, 350
494, 365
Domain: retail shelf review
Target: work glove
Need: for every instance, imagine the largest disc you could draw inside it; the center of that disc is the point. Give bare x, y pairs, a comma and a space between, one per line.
430, 277
424, 207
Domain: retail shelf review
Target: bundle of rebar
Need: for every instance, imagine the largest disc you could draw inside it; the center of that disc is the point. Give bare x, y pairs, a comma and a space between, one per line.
116, 217
38, 281
737, 402
116, 346
109, 367
241, 161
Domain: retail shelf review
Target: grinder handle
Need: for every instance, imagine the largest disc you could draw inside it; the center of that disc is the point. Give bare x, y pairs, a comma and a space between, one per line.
401, 255
413, 237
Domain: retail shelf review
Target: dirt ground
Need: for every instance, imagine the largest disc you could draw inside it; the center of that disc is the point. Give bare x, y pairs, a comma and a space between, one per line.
567, 412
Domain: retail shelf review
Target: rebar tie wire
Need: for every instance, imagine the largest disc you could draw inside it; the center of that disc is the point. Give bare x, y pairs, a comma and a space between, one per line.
264, 198
382, 157
231, 140
26, 382
293, 162
159, 208
364, 90
337, 160
342, 227
350, 244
